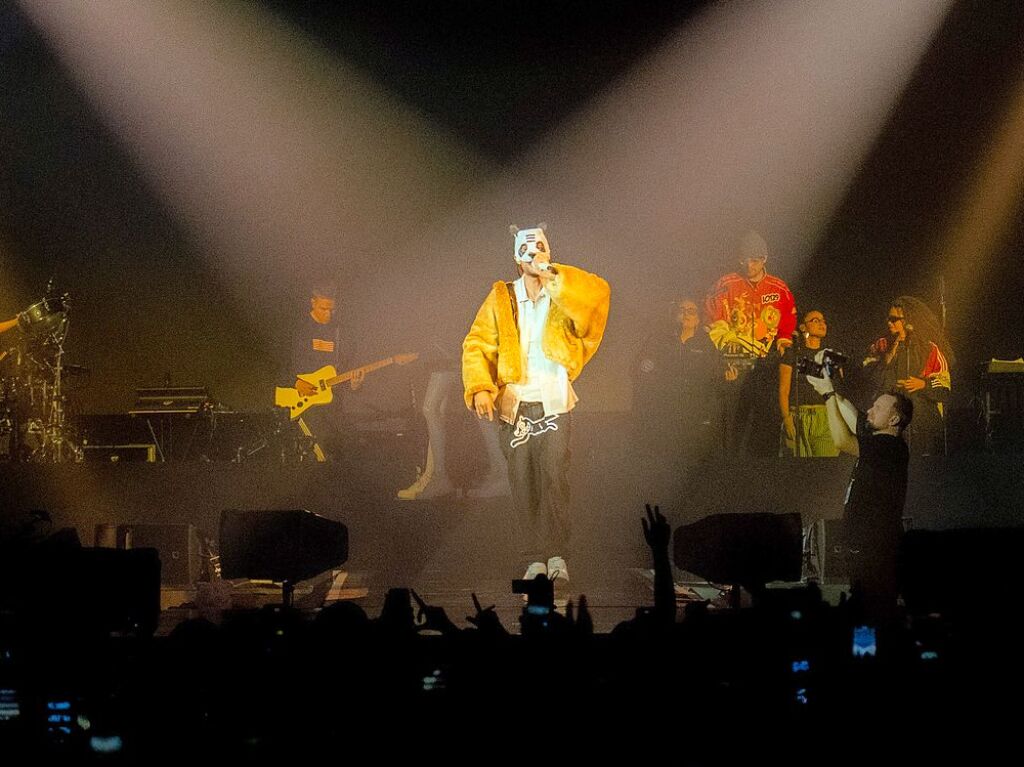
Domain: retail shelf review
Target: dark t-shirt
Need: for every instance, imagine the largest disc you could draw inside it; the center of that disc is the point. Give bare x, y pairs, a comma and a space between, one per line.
799, 390
675, 381
315, 345
878, 488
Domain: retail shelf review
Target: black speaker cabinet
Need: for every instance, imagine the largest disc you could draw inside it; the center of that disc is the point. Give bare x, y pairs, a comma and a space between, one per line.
749, 549
834, 553
178, 545
1002, 399
280, 544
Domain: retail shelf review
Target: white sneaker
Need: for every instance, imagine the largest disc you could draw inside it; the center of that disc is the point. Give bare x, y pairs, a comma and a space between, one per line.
558, 572
537, 568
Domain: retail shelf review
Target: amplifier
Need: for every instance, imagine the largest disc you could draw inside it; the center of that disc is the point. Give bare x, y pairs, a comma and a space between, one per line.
177, 544
168, 400
1002, 398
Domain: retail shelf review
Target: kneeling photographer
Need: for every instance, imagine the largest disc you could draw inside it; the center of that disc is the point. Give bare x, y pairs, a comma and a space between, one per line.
873, 506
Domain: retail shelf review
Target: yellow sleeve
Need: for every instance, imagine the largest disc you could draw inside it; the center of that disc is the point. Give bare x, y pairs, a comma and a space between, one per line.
480, 352
585, 298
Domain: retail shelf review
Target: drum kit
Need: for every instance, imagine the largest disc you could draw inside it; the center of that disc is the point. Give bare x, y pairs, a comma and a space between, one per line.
33, 423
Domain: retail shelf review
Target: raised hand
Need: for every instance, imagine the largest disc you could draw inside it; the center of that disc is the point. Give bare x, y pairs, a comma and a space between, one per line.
431, 618
357, 378
486, 619
657, 530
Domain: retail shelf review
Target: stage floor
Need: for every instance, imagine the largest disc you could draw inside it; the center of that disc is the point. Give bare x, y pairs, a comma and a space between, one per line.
449, 548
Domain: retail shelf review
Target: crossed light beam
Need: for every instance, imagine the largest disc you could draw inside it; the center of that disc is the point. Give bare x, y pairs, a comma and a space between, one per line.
282, 160
989, 207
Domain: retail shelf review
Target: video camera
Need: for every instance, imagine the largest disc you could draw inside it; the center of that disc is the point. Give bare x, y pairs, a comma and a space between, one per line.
540, 593
538, 616
831, 360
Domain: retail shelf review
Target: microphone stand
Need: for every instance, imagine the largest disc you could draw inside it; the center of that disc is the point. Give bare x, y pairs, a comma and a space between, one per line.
942, 312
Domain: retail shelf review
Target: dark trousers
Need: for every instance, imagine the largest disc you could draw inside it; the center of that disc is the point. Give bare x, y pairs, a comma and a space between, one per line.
873, 547
750, 411
537, 450
330, 431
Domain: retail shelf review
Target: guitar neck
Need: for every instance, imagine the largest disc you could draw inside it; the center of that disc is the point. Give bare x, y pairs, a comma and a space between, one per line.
347, 375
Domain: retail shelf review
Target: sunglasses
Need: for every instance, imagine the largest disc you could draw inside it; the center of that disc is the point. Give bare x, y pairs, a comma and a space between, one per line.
894, 319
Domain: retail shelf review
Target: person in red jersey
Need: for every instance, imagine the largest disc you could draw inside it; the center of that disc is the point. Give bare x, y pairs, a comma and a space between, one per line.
751, 316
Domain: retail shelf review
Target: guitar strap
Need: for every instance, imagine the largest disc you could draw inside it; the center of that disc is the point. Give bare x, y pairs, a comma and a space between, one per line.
511, 287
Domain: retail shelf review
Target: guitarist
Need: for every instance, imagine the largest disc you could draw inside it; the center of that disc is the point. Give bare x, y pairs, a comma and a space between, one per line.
318, 342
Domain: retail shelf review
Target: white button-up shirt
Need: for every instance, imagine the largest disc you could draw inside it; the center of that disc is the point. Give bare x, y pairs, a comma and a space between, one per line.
544, 380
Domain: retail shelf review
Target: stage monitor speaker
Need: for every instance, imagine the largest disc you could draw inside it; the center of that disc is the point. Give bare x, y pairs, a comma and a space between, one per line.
178, 545
290, 545
745, 549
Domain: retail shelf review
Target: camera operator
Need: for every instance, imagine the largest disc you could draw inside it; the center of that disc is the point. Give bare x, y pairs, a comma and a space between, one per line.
804, 422
873, 508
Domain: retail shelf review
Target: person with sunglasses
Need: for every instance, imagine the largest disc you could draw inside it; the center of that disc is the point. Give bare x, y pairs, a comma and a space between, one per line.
914, 358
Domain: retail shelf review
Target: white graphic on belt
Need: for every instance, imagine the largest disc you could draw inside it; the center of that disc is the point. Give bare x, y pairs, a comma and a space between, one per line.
527, 427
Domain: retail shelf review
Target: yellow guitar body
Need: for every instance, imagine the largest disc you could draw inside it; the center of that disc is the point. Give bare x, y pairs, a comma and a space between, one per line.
326, 377
296, 403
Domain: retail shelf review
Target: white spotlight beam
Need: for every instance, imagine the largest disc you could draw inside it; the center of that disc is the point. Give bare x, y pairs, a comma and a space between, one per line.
754, 114
276, 155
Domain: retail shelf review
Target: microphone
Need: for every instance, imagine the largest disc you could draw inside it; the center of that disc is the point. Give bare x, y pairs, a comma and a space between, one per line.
545, 266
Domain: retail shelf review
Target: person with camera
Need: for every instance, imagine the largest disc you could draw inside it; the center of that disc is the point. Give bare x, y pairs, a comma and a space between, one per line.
876, 493
804, 421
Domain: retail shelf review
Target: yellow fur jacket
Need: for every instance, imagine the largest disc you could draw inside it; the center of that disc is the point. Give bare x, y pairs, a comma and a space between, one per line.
491, 356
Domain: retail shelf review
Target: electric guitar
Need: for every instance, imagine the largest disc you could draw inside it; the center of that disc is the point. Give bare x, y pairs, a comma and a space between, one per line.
323, 379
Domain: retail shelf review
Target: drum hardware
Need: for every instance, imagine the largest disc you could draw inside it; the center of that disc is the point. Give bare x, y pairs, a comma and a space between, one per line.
32, 400
46, 319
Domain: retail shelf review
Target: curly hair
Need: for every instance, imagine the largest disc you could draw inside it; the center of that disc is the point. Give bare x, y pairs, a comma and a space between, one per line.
922, 322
